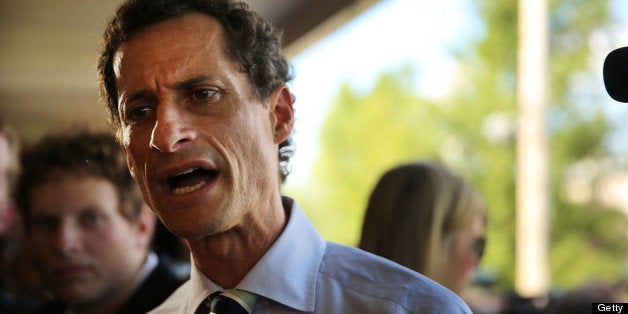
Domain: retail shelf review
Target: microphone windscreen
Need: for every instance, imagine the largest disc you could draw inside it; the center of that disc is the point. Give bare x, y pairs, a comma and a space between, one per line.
616, 74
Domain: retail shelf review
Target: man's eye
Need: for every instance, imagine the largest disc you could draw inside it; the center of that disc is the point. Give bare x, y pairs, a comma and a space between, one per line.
44, 224
89, 218
202, 94
138, 113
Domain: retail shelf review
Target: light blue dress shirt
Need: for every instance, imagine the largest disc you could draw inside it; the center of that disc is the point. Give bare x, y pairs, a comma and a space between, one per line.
302, 273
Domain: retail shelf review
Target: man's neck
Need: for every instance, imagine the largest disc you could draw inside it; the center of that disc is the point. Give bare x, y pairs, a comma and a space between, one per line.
227, 257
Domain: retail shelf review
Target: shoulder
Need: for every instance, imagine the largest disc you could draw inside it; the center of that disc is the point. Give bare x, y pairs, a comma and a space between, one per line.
11, 304
157, 287
376, 280
50, 307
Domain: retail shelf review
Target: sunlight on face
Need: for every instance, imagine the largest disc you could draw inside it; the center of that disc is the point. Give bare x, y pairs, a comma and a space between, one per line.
198, 141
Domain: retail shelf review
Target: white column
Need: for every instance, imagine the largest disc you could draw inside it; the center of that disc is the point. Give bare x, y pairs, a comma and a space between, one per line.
532, 276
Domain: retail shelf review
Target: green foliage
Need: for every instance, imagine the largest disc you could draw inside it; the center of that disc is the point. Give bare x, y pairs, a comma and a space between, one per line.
365, 134
595, 250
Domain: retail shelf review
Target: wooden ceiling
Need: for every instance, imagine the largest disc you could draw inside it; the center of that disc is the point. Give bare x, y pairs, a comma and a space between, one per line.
48, 52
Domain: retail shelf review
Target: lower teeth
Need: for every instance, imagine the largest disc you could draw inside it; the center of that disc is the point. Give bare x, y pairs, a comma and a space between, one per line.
188, 189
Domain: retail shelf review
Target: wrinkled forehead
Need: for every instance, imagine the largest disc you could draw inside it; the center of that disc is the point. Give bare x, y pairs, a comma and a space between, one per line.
163, 41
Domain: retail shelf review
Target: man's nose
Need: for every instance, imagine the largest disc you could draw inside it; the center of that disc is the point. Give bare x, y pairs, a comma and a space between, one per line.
172, 128
68, 238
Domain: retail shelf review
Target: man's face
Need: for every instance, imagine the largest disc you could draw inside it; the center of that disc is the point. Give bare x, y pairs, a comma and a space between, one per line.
86, 249
5, 168
201, 146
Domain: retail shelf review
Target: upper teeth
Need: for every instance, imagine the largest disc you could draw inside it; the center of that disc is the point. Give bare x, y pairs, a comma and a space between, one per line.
186, 171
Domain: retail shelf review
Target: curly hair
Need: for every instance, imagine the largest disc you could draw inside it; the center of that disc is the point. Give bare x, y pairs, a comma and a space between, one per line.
77, 154
251, 43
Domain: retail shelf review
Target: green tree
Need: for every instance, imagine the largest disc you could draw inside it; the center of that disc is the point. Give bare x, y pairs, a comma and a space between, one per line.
362, 137
473, 132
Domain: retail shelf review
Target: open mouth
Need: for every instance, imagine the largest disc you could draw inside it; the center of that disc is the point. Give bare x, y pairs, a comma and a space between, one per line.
190, 180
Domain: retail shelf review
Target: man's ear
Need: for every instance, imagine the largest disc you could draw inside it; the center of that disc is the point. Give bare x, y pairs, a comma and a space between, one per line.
282, 113
145, 226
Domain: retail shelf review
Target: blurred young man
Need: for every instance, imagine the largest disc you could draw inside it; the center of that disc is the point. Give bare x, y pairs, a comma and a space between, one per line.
89, 227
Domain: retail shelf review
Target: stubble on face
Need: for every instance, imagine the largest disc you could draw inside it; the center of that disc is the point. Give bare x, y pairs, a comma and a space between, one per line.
233, 133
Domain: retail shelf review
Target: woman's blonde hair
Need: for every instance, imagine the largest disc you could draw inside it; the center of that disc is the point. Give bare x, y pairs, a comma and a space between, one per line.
414, 213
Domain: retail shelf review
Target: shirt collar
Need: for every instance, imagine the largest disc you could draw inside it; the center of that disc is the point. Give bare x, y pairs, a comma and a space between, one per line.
200, 286
288, 271
149, 265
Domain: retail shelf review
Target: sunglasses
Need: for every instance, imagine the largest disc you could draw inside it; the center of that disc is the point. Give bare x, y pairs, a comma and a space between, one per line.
479, 245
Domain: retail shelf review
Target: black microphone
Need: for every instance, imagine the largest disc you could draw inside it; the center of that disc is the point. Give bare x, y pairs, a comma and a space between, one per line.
616, 74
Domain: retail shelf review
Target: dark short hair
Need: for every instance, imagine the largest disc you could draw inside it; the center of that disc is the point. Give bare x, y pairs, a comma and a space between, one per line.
251, 43
77, 154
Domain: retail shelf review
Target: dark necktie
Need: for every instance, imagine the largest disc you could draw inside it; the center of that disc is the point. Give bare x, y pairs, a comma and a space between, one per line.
228, 302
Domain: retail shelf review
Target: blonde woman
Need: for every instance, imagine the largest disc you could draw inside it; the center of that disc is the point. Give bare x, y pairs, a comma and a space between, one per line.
427, 218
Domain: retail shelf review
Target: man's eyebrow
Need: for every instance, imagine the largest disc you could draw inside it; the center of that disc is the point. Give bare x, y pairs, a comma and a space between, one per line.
187, 84
140, 95
183, 85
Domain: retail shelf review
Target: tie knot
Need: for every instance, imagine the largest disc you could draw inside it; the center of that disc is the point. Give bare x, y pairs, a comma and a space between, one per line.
229, 302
